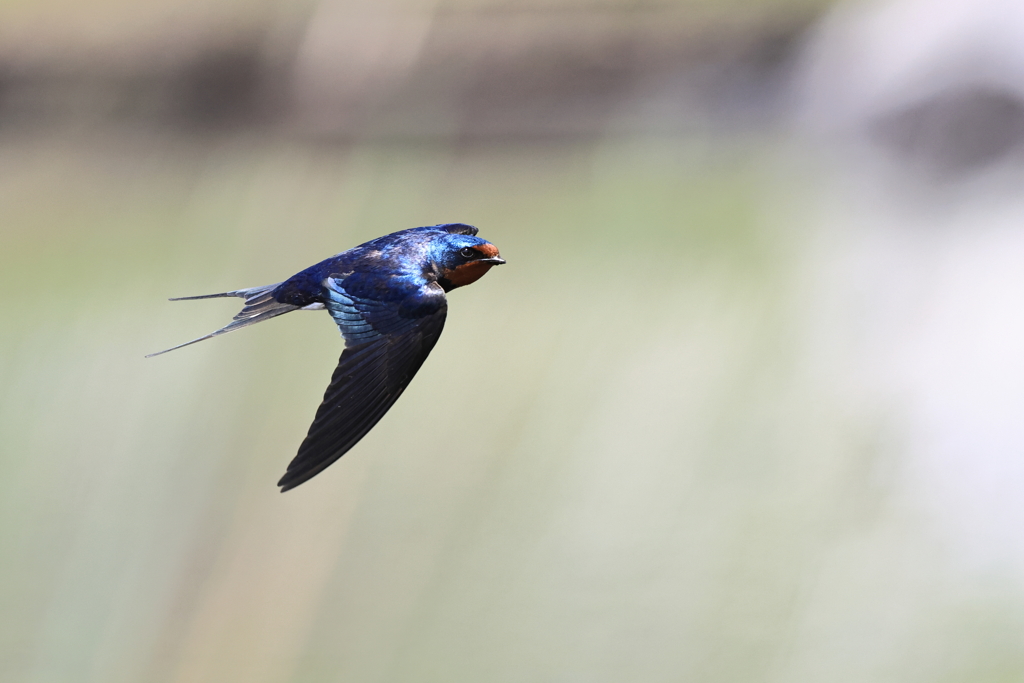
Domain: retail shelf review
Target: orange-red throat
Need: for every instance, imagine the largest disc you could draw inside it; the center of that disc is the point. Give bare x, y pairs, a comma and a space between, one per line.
471, 271
467, 273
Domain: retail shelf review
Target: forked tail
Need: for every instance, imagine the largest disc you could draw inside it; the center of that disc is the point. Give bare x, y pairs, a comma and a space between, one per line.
260, 305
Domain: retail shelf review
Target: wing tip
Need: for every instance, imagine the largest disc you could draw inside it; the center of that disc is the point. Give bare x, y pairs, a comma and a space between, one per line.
287, 483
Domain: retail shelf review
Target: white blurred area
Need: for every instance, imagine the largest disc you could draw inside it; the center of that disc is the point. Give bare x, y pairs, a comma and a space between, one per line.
921, 106
940, 83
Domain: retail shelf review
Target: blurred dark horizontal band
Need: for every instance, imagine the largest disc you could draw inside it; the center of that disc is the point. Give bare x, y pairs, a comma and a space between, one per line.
336, 73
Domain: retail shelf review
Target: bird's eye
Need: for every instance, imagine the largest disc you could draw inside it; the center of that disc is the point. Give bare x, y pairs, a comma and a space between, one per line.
467, 252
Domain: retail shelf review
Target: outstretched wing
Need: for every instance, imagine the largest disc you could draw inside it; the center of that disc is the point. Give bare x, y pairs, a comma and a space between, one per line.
387, 339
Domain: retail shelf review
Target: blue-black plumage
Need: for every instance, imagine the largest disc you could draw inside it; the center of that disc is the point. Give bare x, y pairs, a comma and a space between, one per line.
388, 298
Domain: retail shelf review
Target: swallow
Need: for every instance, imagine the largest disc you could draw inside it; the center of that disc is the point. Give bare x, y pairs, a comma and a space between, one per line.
389, 299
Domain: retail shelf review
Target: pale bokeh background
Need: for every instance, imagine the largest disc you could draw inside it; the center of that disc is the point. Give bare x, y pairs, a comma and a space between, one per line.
744, 405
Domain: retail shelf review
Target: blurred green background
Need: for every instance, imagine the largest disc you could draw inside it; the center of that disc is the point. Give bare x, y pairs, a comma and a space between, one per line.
642, 451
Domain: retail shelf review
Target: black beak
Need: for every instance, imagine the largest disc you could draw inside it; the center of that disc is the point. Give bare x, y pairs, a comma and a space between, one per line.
494, 261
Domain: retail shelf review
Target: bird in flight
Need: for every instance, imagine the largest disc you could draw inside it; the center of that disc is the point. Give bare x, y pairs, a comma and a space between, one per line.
387, 296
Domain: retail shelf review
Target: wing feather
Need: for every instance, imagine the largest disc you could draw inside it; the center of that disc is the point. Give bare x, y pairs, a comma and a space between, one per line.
383, 353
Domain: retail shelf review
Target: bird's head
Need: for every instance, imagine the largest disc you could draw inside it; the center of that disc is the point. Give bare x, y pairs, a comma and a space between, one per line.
463, 259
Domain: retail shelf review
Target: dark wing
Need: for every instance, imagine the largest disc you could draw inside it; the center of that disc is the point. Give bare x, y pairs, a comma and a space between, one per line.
386, 343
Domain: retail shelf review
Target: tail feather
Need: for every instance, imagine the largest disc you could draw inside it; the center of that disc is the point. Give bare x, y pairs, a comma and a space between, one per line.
239, 292
260, 305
